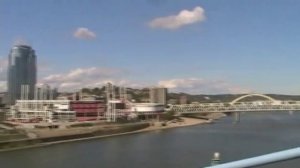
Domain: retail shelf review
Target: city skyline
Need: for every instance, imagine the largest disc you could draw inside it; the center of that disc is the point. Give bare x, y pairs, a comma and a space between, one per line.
199, 47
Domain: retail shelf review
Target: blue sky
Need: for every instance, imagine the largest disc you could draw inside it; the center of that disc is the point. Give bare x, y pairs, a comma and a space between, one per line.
201, 47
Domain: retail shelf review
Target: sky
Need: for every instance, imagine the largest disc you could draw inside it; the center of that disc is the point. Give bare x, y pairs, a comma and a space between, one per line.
198, 47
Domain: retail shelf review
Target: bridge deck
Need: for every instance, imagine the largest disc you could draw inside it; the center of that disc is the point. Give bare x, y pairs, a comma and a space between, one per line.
240, 107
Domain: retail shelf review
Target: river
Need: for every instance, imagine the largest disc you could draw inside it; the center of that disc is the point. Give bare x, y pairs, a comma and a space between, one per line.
186, 147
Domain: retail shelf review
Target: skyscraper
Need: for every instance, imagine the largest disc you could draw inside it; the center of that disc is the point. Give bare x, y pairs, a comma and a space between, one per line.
158, 95
21, 72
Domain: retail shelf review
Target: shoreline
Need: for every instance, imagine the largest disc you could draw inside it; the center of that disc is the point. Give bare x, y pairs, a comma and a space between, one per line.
187, 122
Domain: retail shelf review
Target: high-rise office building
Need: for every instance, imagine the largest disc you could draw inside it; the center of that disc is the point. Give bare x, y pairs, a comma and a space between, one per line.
21, 73
158, 95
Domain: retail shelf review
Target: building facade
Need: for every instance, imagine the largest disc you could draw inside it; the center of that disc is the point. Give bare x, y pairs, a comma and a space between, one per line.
158, 95
44, 92
183, 99
147, 108
56, 110
21, 73
87, 110
146, 111
41, 111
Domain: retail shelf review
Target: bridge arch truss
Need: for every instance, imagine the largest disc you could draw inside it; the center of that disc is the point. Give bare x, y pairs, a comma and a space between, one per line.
251, 95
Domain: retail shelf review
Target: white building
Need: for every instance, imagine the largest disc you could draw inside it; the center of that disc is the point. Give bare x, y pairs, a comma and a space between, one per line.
147, 108
41, 111
158, 95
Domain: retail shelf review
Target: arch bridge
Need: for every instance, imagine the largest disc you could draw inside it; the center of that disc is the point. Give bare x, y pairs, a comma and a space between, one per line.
252, 95
237, 105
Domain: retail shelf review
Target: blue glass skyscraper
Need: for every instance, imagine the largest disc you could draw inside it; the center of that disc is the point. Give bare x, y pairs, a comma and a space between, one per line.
21, 72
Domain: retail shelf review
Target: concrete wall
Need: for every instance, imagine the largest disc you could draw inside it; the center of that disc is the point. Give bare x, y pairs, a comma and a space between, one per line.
108, 131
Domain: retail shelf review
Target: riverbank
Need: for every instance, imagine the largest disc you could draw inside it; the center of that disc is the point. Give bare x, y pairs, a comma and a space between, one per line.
190, 146
50, 137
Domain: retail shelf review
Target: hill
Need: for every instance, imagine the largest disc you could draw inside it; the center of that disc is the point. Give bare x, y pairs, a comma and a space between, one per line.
142, 95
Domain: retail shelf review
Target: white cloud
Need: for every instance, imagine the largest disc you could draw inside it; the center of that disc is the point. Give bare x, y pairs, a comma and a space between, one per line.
184, 17
201, 86
80, 74
86, 77
96, 77
3, 68
3, 64
84, 33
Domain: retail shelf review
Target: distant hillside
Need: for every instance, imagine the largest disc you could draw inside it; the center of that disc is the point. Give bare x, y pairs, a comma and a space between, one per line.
139, 95
142, 95
228, 97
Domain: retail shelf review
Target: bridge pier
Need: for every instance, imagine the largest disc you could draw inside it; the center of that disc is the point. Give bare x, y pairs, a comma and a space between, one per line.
237, 117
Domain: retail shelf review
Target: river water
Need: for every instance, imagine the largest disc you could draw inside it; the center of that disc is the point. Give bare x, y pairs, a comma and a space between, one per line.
187, 147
